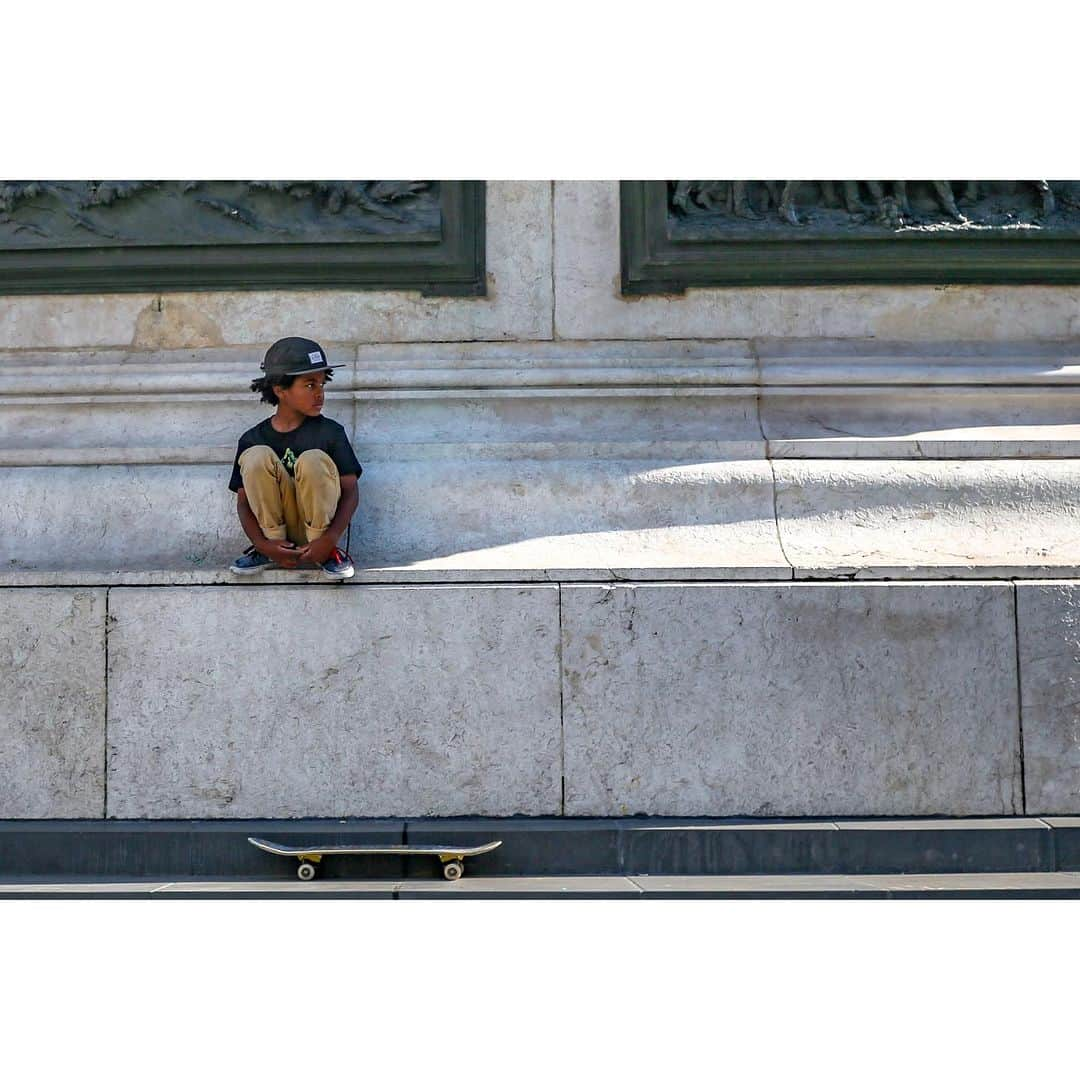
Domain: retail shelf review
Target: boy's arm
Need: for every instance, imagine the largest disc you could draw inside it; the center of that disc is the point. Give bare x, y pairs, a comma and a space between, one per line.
319, 550
281, 551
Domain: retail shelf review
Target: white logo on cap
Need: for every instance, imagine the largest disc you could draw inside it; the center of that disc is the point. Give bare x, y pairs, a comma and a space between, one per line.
314, 357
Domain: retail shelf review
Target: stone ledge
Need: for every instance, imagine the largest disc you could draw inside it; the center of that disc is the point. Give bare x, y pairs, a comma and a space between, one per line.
803, 518
944, 572
180, 577
474, 514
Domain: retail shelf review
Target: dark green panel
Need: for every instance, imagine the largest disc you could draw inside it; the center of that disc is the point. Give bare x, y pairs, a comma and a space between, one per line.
146, 236
681, 234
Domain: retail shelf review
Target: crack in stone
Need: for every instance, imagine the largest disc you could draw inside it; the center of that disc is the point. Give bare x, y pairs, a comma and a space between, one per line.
756, 355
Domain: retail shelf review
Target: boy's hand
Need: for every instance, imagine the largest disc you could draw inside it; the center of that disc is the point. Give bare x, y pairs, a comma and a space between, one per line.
283, 552
318, 551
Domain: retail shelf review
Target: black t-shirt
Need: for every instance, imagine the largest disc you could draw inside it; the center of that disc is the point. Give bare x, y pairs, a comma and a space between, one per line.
315, 433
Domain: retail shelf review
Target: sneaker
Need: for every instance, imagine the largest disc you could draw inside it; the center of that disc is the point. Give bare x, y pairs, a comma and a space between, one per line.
251, 562
339, 566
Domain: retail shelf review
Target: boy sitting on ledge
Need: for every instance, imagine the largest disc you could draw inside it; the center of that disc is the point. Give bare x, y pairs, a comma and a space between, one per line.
295, 473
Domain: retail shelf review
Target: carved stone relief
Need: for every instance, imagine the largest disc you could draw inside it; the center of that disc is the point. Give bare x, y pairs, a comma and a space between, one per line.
762, 207
679, 234
139, 235
46, 213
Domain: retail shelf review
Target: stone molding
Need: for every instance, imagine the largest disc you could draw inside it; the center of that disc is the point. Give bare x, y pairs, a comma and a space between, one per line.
763, 399
791, 457
750, 362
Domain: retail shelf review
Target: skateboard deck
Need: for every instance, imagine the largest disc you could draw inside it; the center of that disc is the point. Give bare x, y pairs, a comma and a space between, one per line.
452, 858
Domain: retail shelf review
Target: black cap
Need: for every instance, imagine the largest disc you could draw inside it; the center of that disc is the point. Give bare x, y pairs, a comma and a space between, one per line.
294, 356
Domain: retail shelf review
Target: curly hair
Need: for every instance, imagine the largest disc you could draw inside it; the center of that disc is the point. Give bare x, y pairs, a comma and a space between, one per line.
265, 390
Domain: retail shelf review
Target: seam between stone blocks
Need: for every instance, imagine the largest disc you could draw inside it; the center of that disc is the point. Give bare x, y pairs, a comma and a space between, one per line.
1019, 698
105, 733
562, 716
551, 221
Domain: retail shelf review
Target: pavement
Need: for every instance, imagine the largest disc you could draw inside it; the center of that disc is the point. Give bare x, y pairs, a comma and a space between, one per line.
1055, 885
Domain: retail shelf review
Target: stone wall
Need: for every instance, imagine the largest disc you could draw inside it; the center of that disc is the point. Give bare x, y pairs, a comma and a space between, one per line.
703, 699
589, 524
555, 423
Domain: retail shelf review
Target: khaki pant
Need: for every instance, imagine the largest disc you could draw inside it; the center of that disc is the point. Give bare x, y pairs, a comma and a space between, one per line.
298, 510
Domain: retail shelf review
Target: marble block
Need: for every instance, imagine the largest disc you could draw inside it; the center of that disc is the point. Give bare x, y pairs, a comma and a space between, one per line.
776, 700
333, 701
1048, 632
52, 703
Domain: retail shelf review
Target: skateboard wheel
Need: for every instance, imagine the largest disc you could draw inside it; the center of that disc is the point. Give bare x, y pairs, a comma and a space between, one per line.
305, 871
453, 870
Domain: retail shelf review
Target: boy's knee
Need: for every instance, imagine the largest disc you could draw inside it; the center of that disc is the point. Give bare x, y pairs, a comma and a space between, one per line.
258, 457
315, 464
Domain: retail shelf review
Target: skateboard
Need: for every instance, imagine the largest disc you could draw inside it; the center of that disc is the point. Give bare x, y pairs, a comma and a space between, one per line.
452, 858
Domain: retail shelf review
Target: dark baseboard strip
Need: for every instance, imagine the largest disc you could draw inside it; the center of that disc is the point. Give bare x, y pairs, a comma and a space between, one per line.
170, 851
